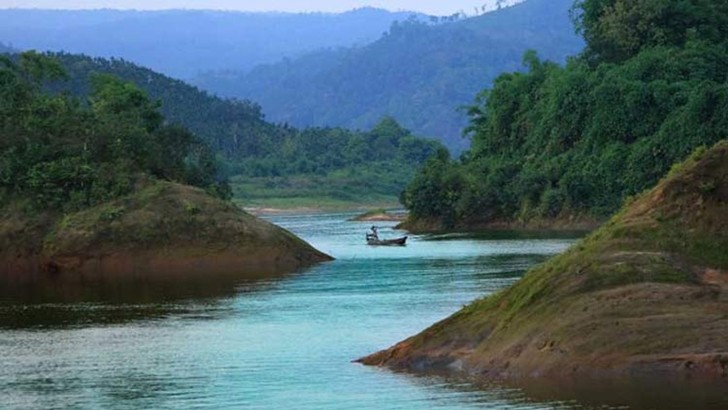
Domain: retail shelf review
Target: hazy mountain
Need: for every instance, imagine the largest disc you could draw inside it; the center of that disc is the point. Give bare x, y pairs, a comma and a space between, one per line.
6, 49
419, 73
184, 43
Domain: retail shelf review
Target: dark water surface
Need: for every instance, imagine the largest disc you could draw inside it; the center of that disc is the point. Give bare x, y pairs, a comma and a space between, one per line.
272, 344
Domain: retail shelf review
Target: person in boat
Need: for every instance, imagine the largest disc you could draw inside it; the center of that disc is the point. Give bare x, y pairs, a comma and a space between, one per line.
373, 234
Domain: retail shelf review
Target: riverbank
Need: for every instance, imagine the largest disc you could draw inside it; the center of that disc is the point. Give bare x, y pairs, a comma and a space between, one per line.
311, 205
162, 229
575, 223
381, 215
646, 294
257, 343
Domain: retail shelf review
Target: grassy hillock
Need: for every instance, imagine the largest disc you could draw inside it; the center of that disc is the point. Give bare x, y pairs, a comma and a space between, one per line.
107, 188
646, 293
162, 228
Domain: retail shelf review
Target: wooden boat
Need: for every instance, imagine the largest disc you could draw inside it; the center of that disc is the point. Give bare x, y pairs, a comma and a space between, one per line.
371, 240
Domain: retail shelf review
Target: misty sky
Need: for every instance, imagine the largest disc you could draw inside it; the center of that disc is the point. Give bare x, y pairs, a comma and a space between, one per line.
437, 7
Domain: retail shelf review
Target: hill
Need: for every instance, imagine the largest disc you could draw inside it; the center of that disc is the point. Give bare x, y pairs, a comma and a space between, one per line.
107, 188
560, 145
184, 43
272, 164
220, 123
160, 229
418, 72
646, 294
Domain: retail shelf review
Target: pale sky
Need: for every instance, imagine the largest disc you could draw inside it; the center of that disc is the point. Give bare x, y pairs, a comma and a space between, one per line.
435, 7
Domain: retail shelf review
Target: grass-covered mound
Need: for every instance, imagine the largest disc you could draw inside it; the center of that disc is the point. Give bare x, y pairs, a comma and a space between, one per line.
379, 215
646, 293
163, 228
106, 186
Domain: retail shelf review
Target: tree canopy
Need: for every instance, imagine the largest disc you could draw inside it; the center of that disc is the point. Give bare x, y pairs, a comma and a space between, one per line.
577, 140
616, 30
65, 153
419, 73
249, 147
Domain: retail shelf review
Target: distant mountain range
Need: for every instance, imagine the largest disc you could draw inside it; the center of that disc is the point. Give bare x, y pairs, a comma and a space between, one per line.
418, 72
6, 49
318, 69
184, 43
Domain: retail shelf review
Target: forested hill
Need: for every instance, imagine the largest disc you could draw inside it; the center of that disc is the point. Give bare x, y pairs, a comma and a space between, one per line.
419, 73
328, 163
232, 128
559, 142
184, 43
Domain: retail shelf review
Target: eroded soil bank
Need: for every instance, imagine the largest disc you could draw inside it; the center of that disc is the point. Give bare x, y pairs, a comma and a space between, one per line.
163, 229
644, 295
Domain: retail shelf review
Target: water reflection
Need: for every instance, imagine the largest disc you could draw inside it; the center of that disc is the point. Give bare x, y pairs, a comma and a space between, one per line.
273, 343
633, 392
507, 235
623, 392
53, 302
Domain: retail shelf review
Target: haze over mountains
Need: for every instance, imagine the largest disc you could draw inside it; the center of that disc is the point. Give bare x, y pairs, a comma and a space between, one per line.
318, 69
183, 43
5, 48
418, 73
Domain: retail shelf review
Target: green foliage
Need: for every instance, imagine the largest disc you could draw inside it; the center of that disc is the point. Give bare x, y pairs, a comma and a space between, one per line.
616, 30
238, 136
388, 148
111, 213
577, 140
418, 73
192, 209
434, 192
371, 183
67, 155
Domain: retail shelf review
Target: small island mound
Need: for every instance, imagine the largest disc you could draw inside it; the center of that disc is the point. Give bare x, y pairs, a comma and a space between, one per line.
379, 215
163, 228
106, 187
646, 294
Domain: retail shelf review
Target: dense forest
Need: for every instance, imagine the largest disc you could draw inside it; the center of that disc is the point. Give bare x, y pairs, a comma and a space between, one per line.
262, 158
188, 42
553, 142
419, 72
59, 152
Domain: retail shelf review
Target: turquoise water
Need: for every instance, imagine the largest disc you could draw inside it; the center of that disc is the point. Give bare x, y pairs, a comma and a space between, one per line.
270, 344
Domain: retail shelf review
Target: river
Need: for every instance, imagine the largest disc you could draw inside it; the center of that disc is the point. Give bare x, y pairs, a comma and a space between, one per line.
267, 344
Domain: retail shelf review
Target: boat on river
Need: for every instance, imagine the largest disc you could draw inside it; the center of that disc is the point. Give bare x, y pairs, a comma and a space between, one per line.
374, 241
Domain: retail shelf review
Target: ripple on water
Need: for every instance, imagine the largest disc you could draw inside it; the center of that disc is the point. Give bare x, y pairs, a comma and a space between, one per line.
284, 343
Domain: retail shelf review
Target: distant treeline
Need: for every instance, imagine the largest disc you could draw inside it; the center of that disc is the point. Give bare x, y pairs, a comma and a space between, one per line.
418, 73
246, 144
651, 86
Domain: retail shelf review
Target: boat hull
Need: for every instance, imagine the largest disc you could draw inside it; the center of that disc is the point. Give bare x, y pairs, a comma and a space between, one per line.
389, 242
